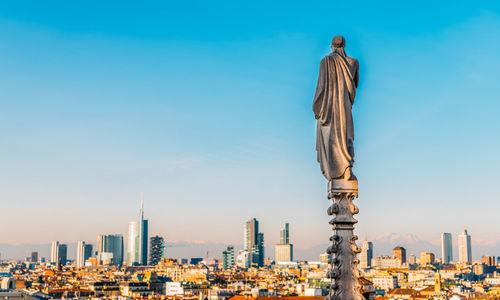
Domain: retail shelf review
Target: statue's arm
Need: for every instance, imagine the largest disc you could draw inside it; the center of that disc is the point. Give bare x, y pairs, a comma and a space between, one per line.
356, 74
320, 89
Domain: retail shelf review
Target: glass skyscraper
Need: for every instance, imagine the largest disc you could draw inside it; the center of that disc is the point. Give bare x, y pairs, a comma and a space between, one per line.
446, 248
111, 243
254, 242
137, 244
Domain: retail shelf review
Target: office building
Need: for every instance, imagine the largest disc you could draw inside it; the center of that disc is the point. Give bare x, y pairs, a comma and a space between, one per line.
58, 253
412, 259
427, 258
464, 247
446, 248
386, 262
228, 258
34, 256
157, 250
62, 255
488, 260
110, 243
283, 251
143, 237
80, 251
137, 240
87, 252
254, 242
366, 255
285, 234
133, 244
54, 252
83, 252
400, 253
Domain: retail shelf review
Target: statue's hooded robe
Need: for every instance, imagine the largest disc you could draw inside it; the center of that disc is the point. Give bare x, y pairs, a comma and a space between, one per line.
337, 82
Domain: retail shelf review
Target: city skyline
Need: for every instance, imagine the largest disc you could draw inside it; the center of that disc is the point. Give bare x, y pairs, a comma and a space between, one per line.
95, 113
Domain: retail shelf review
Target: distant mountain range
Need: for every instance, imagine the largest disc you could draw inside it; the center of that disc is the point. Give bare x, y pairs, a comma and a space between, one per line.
382, 245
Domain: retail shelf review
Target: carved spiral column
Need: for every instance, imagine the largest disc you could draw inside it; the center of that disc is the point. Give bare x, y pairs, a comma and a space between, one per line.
343, 271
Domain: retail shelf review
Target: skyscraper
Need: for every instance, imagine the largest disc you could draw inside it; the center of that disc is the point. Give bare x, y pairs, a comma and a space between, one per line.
464, 247
446, 248
400, 253
254, 242
143, 237
62, 254
283, 252
157, 250
133, 244
80, 254
228, 258
111, 244
285, 234
366, 255
54, 252
87, 252
34, 256
83, 252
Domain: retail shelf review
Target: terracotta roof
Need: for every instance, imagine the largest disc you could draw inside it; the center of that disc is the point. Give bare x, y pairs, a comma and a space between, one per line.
239, 297
403, 291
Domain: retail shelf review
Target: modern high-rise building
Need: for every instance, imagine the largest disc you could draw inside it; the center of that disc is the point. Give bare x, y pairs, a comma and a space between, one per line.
58, 253
488, 260
251, 231
412, 259
464, 247
87, 252
284, 250
254, 242
54, 250
137, 240
62, 254
228, 258
83, 252
143, 237
283, 253
111, 244
400, 253
133, 244
446, 248
366, 255
34, 256
427, 258
80, 251
285, 234
157, 250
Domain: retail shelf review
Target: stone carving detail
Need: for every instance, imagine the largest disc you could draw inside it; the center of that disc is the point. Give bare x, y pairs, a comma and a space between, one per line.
343, 271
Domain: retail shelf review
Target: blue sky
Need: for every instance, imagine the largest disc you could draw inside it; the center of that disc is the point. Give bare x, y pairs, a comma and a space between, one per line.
206, 108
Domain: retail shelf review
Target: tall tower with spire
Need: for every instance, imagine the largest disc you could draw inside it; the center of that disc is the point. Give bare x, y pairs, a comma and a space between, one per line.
143, 236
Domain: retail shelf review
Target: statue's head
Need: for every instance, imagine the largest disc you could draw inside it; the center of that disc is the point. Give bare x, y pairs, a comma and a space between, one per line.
338, 42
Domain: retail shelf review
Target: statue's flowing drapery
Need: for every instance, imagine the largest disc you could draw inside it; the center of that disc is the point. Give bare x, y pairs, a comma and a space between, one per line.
335, 93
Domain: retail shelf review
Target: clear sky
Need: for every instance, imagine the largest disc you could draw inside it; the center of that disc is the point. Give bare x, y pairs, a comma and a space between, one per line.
206, 108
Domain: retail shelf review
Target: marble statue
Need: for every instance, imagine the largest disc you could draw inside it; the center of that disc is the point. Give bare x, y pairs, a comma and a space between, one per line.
335, 93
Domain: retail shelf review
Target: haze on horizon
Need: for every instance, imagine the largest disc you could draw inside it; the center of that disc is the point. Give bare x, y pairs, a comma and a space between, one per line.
208, 112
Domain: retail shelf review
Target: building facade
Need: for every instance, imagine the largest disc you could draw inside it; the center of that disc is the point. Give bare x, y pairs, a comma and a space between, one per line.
400, 253
228, 258
464, 248
446, 248
110, 243
366, 255
157, 250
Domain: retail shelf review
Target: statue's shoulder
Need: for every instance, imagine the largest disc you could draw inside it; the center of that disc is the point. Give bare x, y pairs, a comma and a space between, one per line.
352, 61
